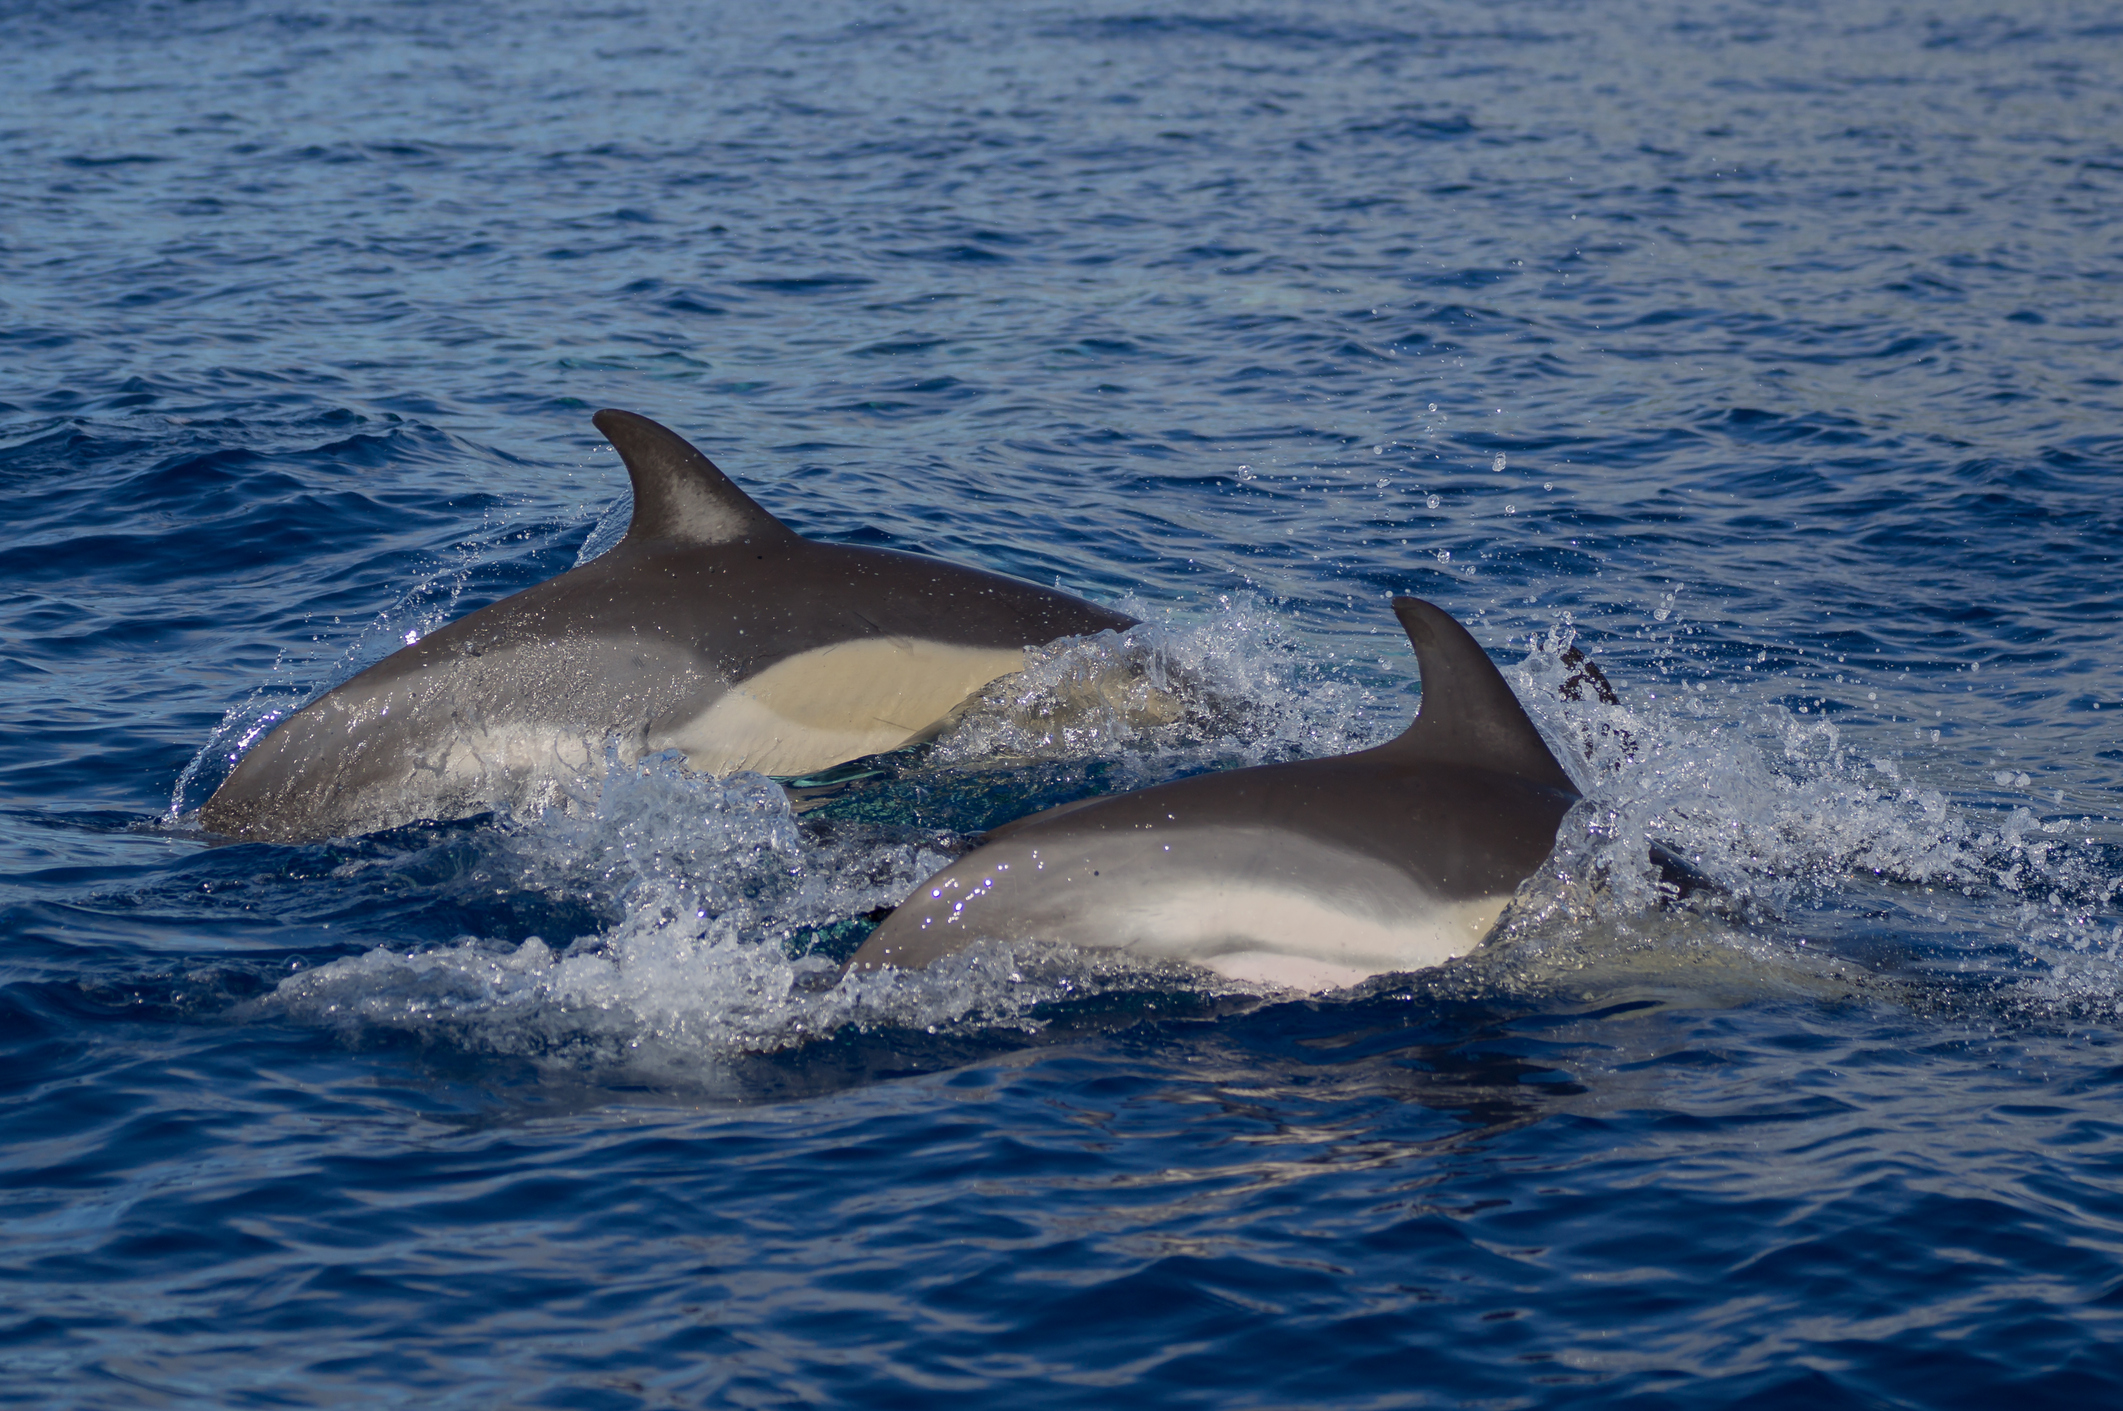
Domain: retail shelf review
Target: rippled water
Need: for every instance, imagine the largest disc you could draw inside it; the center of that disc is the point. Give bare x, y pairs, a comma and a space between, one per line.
1770, 353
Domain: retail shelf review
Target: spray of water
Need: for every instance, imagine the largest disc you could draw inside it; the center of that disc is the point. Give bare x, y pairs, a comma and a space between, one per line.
734, 917
1784, 814
733, 911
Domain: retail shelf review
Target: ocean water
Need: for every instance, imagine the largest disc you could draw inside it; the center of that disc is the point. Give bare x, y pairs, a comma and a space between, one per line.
1772, 354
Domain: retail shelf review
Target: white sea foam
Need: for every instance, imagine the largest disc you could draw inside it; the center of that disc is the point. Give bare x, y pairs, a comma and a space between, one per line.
1783, 812
718, 887
1236, 681
718, 884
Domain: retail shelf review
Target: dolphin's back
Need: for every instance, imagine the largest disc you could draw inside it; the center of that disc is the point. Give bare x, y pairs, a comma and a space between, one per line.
1457, 831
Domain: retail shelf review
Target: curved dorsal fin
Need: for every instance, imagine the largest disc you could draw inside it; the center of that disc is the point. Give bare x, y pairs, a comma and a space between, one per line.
678, 492
1469, 716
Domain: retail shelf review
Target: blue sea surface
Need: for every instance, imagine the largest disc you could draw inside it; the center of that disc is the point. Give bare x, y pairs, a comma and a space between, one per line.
1770, 353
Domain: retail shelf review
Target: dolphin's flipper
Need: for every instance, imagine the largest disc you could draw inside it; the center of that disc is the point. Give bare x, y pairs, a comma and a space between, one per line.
1683, 878
1469, 716
679, 495
1586, 675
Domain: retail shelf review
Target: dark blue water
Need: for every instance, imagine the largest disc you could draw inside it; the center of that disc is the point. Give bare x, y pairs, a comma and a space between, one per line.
1773, 353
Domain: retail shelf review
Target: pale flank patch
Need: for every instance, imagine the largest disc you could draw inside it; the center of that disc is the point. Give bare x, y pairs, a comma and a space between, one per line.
1286, 972
1301, 939
805, 713
1260, 905
820, 707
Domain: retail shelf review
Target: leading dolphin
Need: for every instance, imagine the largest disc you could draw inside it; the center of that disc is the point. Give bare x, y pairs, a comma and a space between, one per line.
1312, 875
712, 628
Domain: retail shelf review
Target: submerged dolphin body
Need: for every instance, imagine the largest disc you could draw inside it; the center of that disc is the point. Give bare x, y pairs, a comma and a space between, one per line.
1311, 874
711, 628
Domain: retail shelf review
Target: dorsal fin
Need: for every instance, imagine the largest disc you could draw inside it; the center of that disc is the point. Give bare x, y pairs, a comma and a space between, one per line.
678, 492
1469, 716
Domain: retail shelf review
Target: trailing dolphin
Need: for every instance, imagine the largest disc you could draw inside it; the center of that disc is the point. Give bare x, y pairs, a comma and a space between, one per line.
712, 628
1311, 874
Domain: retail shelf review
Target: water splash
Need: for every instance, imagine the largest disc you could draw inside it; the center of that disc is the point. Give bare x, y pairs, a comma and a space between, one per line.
1787, 815
734, 919
733, 913
1237, 686
610, 528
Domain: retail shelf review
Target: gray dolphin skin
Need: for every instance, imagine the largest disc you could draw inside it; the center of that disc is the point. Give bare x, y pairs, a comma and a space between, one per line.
1311, 875
711, 628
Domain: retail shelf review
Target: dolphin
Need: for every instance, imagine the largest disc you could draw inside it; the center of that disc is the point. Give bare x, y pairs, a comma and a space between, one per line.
1311, 875
712, 628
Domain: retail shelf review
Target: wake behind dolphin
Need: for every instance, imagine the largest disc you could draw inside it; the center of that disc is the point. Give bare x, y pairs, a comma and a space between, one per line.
712, 628
1312, 874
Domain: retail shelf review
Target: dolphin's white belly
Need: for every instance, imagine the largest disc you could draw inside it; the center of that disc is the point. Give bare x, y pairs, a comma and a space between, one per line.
1302, 938
1257, 905
834, 703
